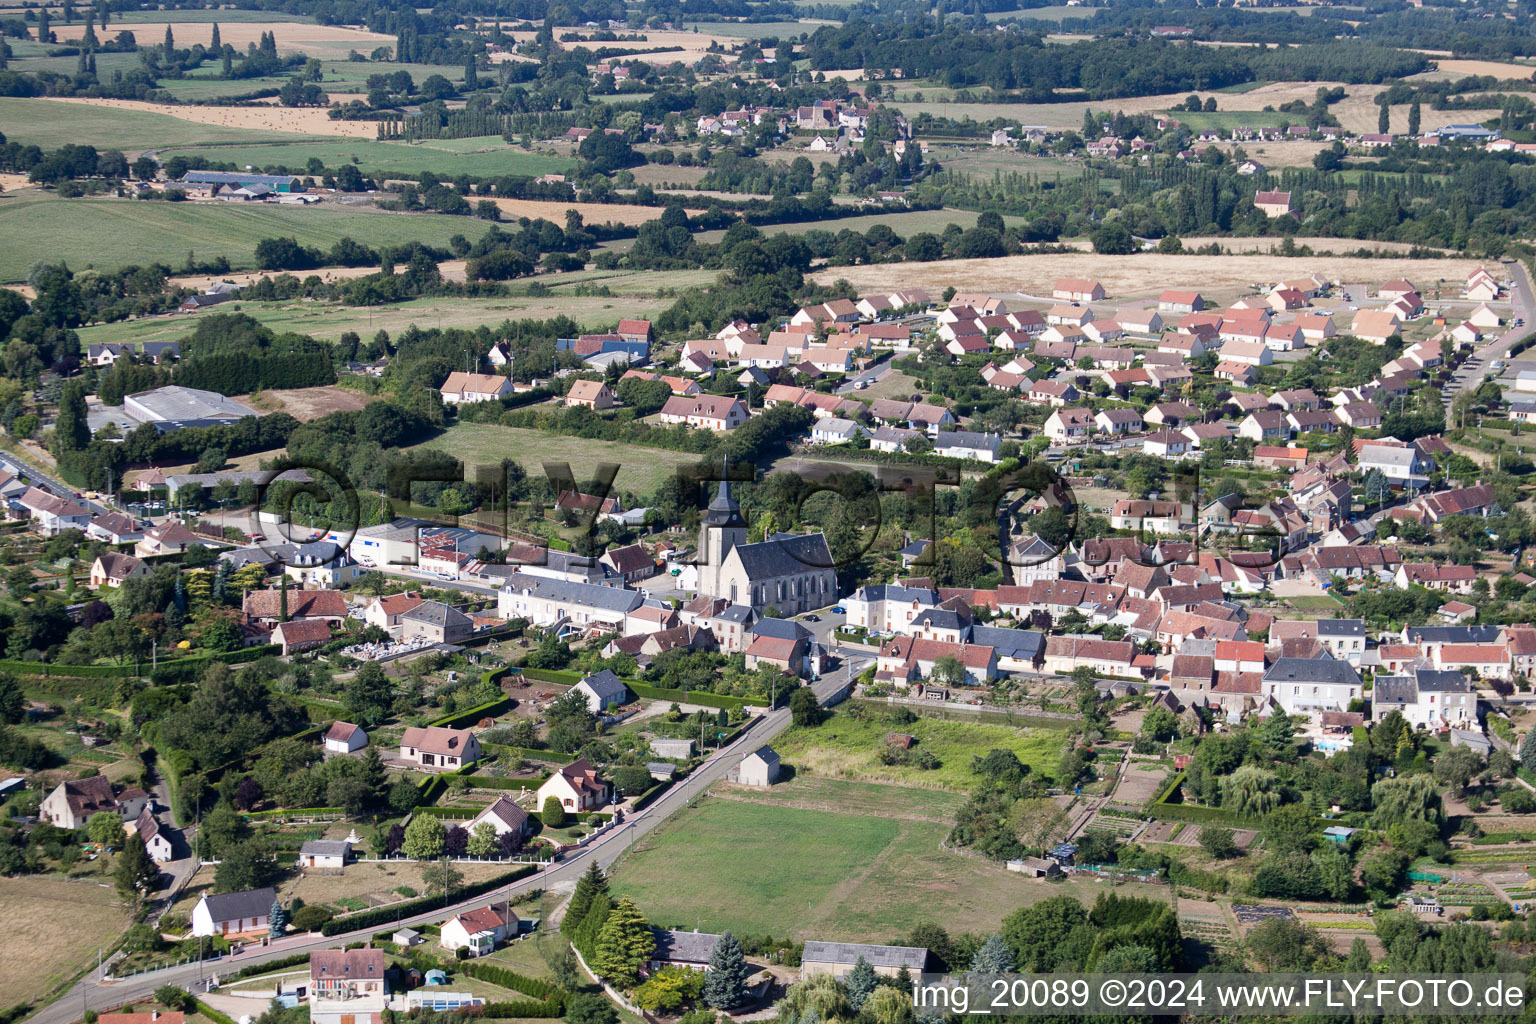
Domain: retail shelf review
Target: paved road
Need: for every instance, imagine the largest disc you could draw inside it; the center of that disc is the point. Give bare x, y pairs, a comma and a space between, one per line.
1470, 374
90, 994
22, 467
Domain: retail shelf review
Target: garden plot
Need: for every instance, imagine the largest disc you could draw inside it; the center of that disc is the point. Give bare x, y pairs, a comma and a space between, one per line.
1250, 914
1119, 824
1142, 782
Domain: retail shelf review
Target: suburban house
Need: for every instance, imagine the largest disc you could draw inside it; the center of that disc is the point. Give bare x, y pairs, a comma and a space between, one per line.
436, 747
1273, 203
589, 394
347, 986
230, 914
73, 801
682, 949
631, 562
1072, 289
839, 958
157, 842
52, 514
385, 611
505, 816
712, 412
603, 690
479, 930
113, 569
463, 388
266, 606
344, 738
1427, 698
578, 787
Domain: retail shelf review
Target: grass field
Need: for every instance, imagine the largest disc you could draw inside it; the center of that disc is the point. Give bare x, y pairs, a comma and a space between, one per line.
110, 233
753, 30
904, 222
486, 156
847, 876
845, 748
45, 122
641, 470
1226, 120
39, 954
328, 320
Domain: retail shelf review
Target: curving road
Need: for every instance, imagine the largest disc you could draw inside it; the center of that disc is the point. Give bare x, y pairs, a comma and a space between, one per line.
88, 993
1471, 373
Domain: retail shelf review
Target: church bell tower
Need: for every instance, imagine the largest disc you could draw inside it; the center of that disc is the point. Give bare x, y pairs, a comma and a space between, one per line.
722, 528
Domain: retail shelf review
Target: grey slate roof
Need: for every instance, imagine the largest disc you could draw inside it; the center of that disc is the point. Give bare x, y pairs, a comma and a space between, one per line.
768, 755
589, 594
683, 947
317, 552
1431, 680
606, 685
1452, 634
1312, 670
736, 613
231, 906
781, 629
436, 613
1394, 690
1340, 627
1025, 644
238, 178
784, 554
324, 848
913, 958
967, 439
939, 618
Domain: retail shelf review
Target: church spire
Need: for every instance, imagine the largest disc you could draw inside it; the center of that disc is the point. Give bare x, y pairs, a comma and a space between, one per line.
724, 510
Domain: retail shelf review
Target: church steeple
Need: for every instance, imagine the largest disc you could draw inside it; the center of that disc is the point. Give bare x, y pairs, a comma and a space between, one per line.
724, 510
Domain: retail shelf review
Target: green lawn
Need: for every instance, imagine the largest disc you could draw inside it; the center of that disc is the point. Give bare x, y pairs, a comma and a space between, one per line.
1229, 119
1318, 603
483, 156
110, 233
846, 748
48, 124
792, 872
1052, 14
641, 470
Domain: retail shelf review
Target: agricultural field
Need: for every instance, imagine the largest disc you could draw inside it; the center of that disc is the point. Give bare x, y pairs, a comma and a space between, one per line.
329, 320
111, 233
479, 157
856, 876
1130, 277
42, 122
38, 954
641, 470
753, 29
904, 222
305, 404
845, 747
332, 42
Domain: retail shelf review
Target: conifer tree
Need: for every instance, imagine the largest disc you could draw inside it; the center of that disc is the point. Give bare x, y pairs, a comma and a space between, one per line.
725, 983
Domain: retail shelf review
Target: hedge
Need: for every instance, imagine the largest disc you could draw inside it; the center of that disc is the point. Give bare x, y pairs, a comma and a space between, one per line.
271, 965
450, 811
521, 1008
288, 813
703, 697
38, 668
647, 798
528, 753
212, 1014
549, 675
469, 716
538, 988
394, 912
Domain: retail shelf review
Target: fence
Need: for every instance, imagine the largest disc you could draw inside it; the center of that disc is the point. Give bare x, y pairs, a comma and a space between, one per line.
156, 970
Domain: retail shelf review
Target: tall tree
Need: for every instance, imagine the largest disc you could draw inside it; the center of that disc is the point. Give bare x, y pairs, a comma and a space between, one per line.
170, 42
993, 957
725, 983
277, 919
71, 430
625, 943
215, 46
588, 887
1384, 119
424, 838
135, 875
860, 983
1413, 117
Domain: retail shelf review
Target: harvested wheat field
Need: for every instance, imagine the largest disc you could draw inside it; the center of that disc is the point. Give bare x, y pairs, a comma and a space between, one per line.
328, 42
12, 182
303, 121
305, 404
38, 953
591, 213
1496, 68
689, 46
1130, 277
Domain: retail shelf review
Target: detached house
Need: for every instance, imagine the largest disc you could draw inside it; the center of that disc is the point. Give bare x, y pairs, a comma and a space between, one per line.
712, 412
437, 748
230, 914
465, 388
578, 787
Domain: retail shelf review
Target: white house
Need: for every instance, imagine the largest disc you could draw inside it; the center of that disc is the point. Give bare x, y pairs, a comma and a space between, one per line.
759, 768
479, 930
329, 854
1305, 685
463, 388
578, 787
1427, 698
603, 690
437, 748
347, 986
504, 816
233, 913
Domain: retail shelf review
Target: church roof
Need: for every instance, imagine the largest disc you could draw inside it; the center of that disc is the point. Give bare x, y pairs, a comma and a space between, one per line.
784, 554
